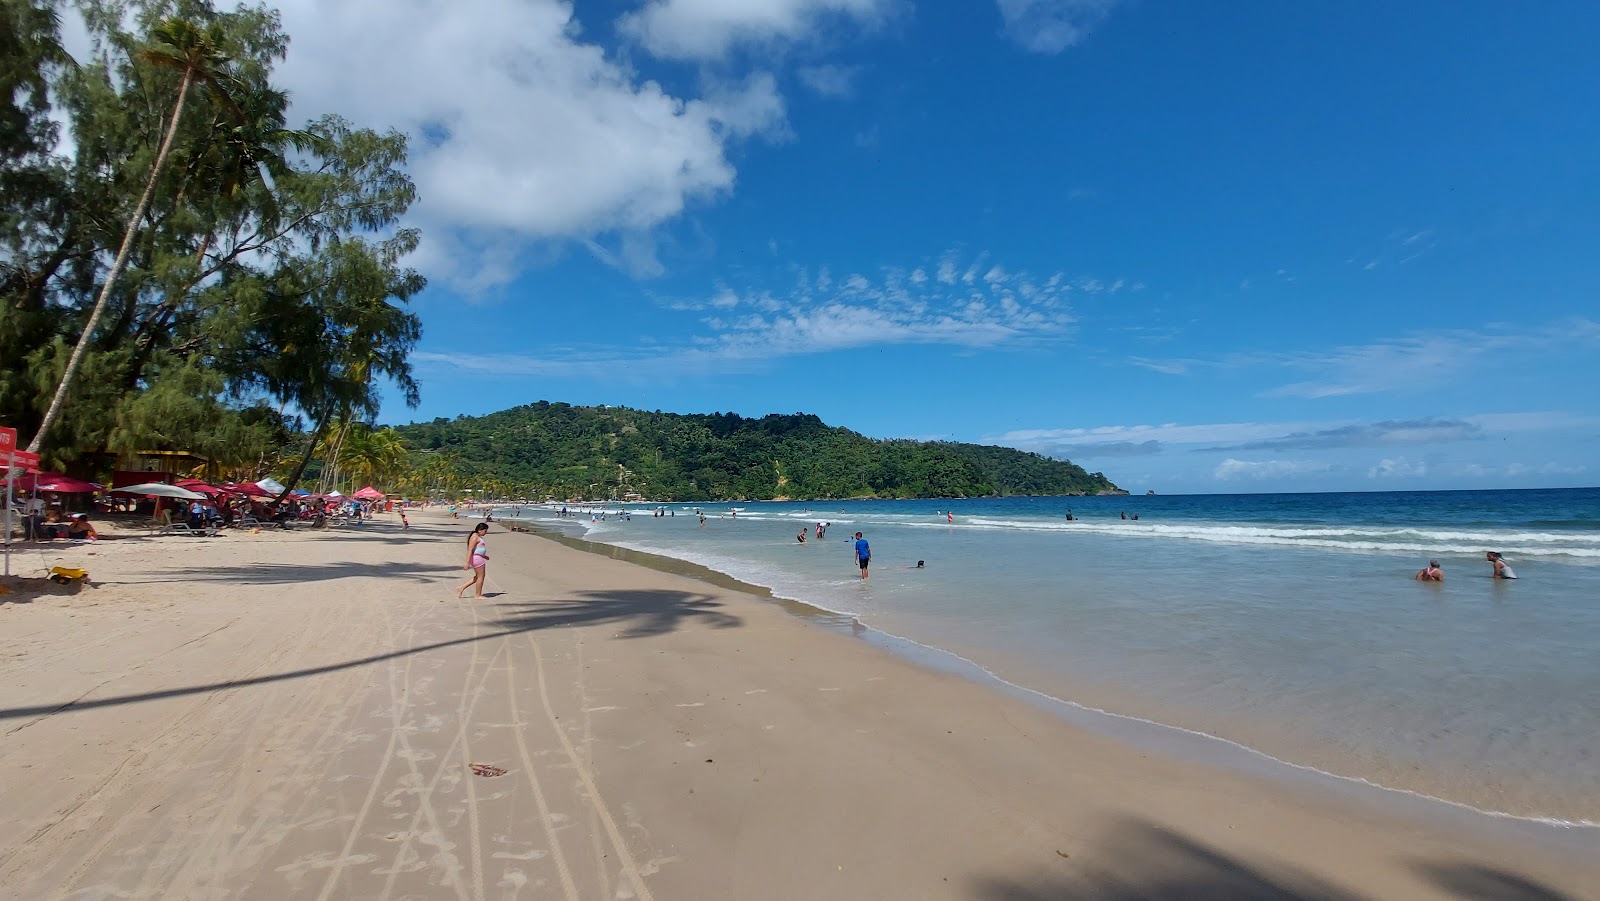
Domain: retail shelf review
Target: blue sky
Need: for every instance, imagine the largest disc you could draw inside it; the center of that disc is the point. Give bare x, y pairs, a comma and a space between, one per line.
1244, 247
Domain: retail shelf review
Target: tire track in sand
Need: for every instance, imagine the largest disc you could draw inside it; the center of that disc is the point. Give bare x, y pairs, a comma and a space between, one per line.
424, 803
568, 887
630, 869
376, 781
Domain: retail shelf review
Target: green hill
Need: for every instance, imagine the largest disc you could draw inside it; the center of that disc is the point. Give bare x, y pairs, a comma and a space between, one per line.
597, 452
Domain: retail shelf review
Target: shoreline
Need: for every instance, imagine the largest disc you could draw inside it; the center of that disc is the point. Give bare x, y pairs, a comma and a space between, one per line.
297, 714
1141, 732
1430, 704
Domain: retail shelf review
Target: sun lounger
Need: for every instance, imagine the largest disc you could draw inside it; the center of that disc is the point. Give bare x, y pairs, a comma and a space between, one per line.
169, 527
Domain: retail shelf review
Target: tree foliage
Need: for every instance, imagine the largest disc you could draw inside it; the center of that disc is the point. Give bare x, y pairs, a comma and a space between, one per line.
569, 452
264, 276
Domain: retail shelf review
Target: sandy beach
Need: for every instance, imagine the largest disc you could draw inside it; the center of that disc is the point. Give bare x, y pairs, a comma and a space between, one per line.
298, 714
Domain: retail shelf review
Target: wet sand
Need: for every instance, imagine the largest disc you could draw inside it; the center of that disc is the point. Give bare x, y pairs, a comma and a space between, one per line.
296, 715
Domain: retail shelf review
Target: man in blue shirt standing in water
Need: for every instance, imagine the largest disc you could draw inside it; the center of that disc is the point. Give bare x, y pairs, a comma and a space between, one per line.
863, 554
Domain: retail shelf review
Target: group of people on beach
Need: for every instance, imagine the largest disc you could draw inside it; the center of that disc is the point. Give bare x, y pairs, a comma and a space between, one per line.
1434, 573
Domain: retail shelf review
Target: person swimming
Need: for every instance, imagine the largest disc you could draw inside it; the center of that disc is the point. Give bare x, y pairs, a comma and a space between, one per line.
920, 565
1501, 570
801, 537
1432, 573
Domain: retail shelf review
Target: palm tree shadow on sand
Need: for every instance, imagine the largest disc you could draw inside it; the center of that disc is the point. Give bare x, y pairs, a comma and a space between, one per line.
642, 612
645, 613
1139, 860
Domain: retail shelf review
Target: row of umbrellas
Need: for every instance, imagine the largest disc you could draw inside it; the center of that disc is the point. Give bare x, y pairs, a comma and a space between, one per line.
183, 489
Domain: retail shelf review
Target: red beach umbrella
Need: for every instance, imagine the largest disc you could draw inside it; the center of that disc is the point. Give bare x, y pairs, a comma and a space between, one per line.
248, 489
55, 481
200, 487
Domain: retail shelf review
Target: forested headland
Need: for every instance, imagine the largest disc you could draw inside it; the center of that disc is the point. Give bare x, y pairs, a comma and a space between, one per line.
564, 451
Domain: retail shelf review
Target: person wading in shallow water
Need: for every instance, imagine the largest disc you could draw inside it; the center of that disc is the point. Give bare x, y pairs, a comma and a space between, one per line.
477, 559
863, 554
1501, 570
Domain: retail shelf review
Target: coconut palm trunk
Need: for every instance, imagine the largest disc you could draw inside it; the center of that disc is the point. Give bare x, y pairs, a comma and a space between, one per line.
76, 360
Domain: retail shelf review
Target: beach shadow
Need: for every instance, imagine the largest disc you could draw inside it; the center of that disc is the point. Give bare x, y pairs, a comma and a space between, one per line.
654, 613
645, 612
300, 573
1475, 881
1140, 860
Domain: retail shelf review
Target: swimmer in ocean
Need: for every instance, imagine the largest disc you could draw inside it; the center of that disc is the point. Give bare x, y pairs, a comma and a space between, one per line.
1501, 570
1432, 573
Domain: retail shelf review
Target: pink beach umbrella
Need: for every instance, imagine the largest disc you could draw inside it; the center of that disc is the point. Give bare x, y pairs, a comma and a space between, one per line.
55, 481
198, 486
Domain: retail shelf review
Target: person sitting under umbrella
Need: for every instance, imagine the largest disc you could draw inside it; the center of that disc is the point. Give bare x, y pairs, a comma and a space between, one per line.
81, 529
53, 525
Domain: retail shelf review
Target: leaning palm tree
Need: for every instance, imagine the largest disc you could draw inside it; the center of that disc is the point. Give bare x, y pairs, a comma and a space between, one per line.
182, 46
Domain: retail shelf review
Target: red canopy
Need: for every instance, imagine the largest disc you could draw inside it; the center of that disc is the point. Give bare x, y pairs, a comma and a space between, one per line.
367, 494
199, 487
248, 489
55, 481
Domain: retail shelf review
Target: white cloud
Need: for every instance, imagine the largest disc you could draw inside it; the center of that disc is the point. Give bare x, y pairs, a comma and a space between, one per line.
1231, 469
830, 80
1051, 26
709, 29
522, 131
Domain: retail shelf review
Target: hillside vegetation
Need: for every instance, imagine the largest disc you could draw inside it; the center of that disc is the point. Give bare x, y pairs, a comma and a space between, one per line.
597, 452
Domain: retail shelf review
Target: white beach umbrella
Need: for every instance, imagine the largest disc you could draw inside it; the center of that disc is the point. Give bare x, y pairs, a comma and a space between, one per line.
272, 485
160, 489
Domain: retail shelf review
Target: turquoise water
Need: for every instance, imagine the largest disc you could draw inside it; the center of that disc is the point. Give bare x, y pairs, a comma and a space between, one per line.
1286, 623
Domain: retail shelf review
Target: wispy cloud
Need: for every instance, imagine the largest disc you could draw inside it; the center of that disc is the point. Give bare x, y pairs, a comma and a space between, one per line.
970, 303
1106, 449
1398, 468
1394, 364
1051, 26
1235, 437
1049, 440
1518, 470
1401, 247
1390, 431
1422, 360
830, 79
1165, 367
1231, 469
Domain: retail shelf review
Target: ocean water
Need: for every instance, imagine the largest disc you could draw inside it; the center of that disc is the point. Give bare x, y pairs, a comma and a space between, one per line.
1289, 624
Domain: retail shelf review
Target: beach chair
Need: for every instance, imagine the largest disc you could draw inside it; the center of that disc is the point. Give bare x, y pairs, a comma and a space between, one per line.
169, 527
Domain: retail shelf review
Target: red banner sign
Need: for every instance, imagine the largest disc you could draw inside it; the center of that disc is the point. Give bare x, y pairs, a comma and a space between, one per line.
8, 440
21, 459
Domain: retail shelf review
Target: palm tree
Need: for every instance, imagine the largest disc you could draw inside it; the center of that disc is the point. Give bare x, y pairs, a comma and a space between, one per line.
197, 53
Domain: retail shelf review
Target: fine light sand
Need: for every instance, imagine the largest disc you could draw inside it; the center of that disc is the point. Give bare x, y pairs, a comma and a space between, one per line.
294, 716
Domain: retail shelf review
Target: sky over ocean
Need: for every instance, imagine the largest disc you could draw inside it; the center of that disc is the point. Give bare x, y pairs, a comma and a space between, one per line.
1260, 247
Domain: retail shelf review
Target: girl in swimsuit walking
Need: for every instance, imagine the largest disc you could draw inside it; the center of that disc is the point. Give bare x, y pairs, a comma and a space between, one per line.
477, 559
